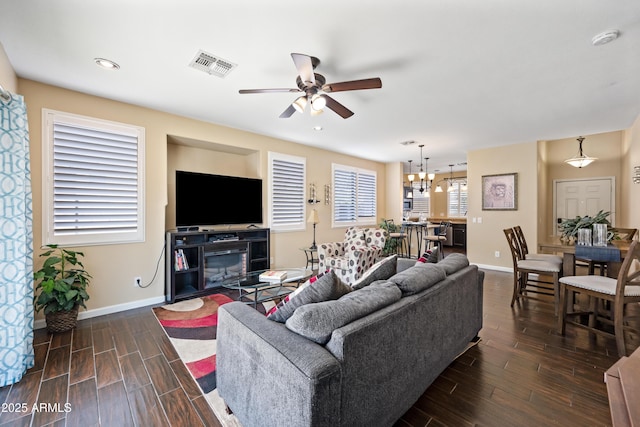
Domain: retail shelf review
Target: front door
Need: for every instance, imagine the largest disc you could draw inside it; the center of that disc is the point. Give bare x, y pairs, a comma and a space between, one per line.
583, 197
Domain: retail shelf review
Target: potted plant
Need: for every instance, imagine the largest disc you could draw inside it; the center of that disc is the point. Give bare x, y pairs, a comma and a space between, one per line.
570, 227
62, 284
390, 245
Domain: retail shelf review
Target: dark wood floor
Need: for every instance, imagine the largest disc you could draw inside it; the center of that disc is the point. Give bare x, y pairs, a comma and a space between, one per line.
121, 370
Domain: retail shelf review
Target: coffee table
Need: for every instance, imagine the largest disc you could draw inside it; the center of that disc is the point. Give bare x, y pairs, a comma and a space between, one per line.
253, 291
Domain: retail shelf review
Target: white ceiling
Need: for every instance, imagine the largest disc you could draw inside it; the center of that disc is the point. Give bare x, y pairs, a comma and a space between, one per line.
457, 75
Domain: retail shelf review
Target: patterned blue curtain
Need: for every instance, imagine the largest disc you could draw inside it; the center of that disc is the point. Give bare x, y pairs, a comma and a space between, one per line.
16, 243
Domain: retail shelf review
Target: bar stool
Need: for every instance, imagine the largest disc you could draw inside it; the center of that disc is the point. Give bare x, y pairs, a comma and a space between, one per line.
397, 239
438, 237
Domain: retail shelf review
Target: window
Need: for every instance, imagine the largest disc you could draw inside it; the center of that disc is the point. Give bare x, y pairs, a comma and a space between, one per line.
457, 198
286, 192
93, 185
421, 201
354, 196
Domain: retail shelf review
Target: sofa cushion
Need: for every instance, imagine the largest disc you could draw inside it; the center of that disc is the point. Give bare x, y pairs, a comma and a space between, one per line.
317, 321
454, 262
418, 278
322, 287
381, 270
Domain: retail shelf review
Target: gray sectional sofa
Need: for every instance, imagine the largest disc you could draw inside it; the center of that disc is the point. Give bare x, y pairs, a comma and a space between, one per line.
368, 371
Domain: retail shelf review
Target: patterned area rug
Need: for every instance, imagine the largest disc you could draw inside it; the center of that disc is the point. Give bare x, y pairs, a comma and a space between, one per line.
191, 326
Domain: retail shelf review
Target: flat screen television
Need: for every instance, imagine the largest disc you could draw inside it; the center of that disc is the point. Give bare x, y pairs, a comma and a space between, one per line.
206, 199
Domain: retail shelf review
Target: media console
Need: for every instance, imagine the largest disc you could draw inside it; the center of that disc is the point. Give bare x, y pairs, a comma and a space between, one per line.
198, 261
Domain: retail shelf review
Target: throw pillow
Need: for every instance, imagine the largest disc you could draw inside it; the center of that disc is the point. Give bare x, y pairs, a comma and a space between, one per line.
323, 287
454, 262
383, 269
418, 278
429, 256
318, 321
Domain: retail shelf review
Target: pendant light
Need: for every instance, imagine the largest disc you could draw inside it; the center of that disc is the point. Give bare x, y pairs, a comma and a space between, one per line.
411, 177
581, 160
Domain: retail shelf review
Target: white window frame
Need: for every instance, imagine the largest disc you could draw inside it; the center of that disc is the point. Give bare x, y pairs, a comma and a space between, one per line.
457, 184
104, 233
357, 195
296, 200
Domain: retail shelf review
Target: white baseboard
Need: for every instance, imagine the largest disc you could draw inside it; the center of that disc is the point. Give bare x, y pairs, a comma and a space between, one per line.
41, 323
495, 268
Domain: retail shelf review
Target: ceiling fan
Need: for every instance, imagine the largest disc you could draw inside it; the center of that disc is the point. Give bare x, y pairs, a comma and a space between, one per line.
314, 88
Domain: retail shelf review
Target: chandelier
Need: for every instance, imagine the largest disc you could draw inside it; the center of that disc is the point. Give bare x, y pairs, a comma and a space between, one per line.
426, 178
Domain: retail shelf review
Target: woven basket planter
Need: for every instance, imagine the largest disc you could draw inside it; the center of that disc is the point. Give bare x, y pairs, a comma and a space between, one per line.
62, 321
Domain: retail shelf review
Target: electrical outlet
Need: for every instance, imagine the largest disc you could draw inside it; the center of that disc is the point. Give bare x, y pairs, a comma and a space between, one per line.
137, 281
497, 254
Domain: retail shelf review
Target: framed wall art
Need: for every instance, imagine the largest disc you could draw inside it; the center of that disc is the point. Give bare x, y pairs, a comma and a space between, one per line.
500, 192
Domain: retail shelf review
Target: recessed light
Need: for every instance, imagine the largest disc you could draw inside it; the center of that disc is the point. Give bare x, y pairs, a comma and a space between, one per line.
318, 128
605, 37
106, 63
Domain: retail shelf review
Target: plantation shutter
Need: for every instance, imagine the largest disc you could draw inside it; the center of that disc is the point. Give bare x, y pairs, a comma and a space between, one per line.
366, 196
287, 192
457, 200
96, 189
421, 202
354, 196
344, 185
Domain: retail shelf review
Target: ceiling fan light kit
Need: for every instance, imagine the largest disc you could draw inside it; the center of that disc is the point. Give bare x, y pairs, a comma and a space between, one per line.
300, 104
318, 102
315, 90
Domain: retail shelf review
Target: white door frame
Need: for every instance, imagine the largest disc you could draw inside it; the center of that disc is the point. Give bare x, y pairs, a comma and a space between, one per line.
612, 217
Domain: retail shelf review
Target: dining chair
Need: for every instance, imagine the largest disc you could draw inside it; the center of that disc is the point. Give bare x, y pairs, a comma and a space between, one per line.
438, 238
618, 291
619, 233
524, 249
523, 284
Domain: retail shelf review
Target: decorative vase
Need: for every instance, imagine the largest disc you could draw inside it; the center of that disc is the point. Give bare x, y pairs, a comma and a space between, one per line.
62, 321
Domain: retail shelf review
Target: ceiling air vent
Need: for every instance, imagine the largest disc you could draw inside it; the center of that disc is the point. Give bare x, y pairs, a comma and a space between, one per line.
212, 64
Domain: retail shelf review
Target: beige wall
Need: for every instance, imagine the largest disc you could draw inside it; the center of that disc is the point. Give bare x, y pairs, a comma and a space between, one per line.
617, 152
607, 147
395, 193
544, 188
630, 200
485, 235
114, 266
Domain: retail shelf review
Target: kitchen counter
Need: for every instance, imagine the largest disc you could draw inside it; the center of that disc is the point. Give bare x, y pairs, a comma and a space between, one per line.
456, 220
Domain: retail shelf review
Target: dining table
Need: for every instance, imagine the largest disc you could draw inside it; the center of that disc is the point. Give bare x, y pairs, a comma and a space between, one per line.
568, 249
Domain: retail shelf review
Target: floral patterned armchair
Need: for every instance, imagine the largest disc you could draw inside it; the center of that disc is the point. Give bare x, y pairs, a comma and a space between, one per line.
349, 259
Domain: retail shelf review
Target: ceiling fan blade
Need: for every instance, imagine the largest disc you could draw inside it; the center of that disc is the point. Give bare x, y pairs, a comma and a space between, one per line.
338, 108
288, 112
305, 67
243, 91
374, 83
